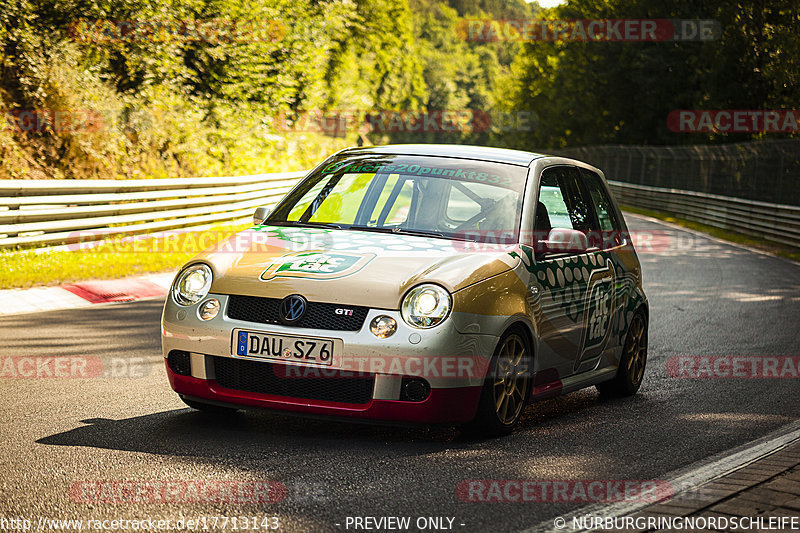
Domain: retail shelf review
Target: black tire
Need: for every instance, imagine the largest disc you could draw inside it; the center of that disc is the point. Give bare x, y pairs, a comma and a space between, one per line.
506, 381
630, 372
216, 410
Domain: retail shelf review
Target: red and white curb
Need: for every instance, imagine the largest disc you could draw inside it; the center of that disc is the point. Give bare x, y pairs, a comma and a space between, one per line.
83, 294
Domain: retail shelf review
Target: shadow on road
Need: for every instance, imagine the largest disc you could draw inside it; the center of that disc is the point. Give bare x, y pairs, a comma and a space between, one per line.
186, 432
192, 433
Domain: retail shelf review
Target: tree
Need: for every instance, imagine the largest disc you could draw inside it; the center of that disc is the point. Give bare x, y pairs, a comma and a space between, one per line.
621, 92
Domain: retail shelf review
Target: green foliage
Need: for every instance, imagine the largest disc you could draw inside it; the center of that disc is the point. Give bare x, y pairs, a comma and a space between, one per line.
615, 92
459, 74
192, 88
202, 87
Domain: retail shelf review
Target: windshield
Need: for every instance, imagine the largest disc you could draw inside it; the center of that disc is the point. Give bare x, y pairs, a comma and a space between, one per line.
430, 196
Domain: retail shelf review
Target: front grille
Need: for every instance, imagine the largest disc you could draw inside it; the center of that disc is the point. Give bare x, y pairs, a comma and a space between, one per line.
179, 362
293, 382
318, 315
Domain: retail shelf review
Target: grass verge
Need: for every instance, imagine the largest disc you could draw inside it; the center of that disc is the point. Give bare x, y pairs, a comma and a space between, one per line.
771, 247
128, 256
116, 258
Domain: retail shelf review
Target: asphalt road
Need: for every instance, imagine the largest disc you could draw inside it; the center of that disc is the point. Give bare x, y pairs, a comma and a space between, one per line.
707, 299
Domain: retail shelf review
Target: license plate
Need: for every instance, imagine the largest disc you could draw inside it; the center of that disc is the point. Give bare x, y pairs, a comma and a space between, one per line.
283, 347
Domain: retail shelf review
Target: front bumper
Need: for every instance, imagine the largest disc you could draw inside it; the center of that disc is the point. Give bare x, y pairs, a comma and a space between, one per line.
443, 406
454, 365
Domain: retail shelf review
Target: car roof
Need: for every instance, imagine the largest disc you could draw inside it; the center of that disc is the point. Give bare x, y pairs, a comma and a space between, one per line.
460, 151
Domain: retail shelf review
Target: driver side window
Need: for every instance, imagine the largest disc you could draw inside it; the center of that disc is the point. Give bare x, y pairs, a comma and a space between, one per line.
461, 207
561, 204
394, 203
474, 206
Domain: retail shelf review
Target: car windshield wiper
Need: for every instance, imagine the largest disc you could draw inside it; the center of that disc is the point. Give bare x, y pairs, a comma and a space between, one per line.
400, 231
298, 224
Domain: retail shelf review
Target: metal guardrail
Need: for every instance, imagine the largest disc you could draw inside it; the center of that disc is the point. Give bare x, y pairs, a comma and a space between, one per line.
776, 222
763, 171
45, 212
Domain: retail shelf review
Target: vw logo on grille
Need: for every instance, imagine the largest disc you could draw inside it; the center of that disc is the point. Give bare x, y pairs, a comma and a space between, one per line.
292, 309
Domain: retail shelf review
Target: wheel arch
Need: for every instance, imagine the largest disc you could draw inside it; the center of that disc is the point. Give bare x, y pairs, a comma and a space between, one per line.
644, 308
525, 327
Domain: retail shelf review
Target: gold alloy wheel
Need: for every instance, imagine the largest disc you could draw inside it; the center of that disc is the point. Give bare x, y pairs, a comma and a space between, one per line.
636, 349
511, 379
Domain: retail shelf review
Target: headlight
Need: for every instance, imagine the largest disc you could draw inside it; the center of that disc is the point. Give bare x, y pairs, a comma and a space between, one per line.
192, 285
426, 306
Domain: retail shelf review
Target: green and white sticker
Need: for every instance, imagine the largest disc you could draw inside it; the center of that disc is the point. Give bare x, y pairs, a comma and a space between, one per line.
315, 264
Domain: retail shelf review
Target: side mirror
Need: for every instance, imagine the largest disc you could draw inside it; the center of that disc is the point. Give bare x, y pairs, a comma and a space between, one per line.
563, 240
260, 215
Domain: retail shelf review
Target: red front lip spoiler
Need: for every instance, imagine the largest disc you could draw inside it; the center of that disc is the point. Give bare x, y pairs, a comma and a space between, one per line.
443, 406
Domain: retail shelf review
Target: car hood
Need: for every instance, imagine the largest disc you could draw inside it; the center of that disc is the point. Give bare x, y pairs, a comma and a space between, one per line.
349, 267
